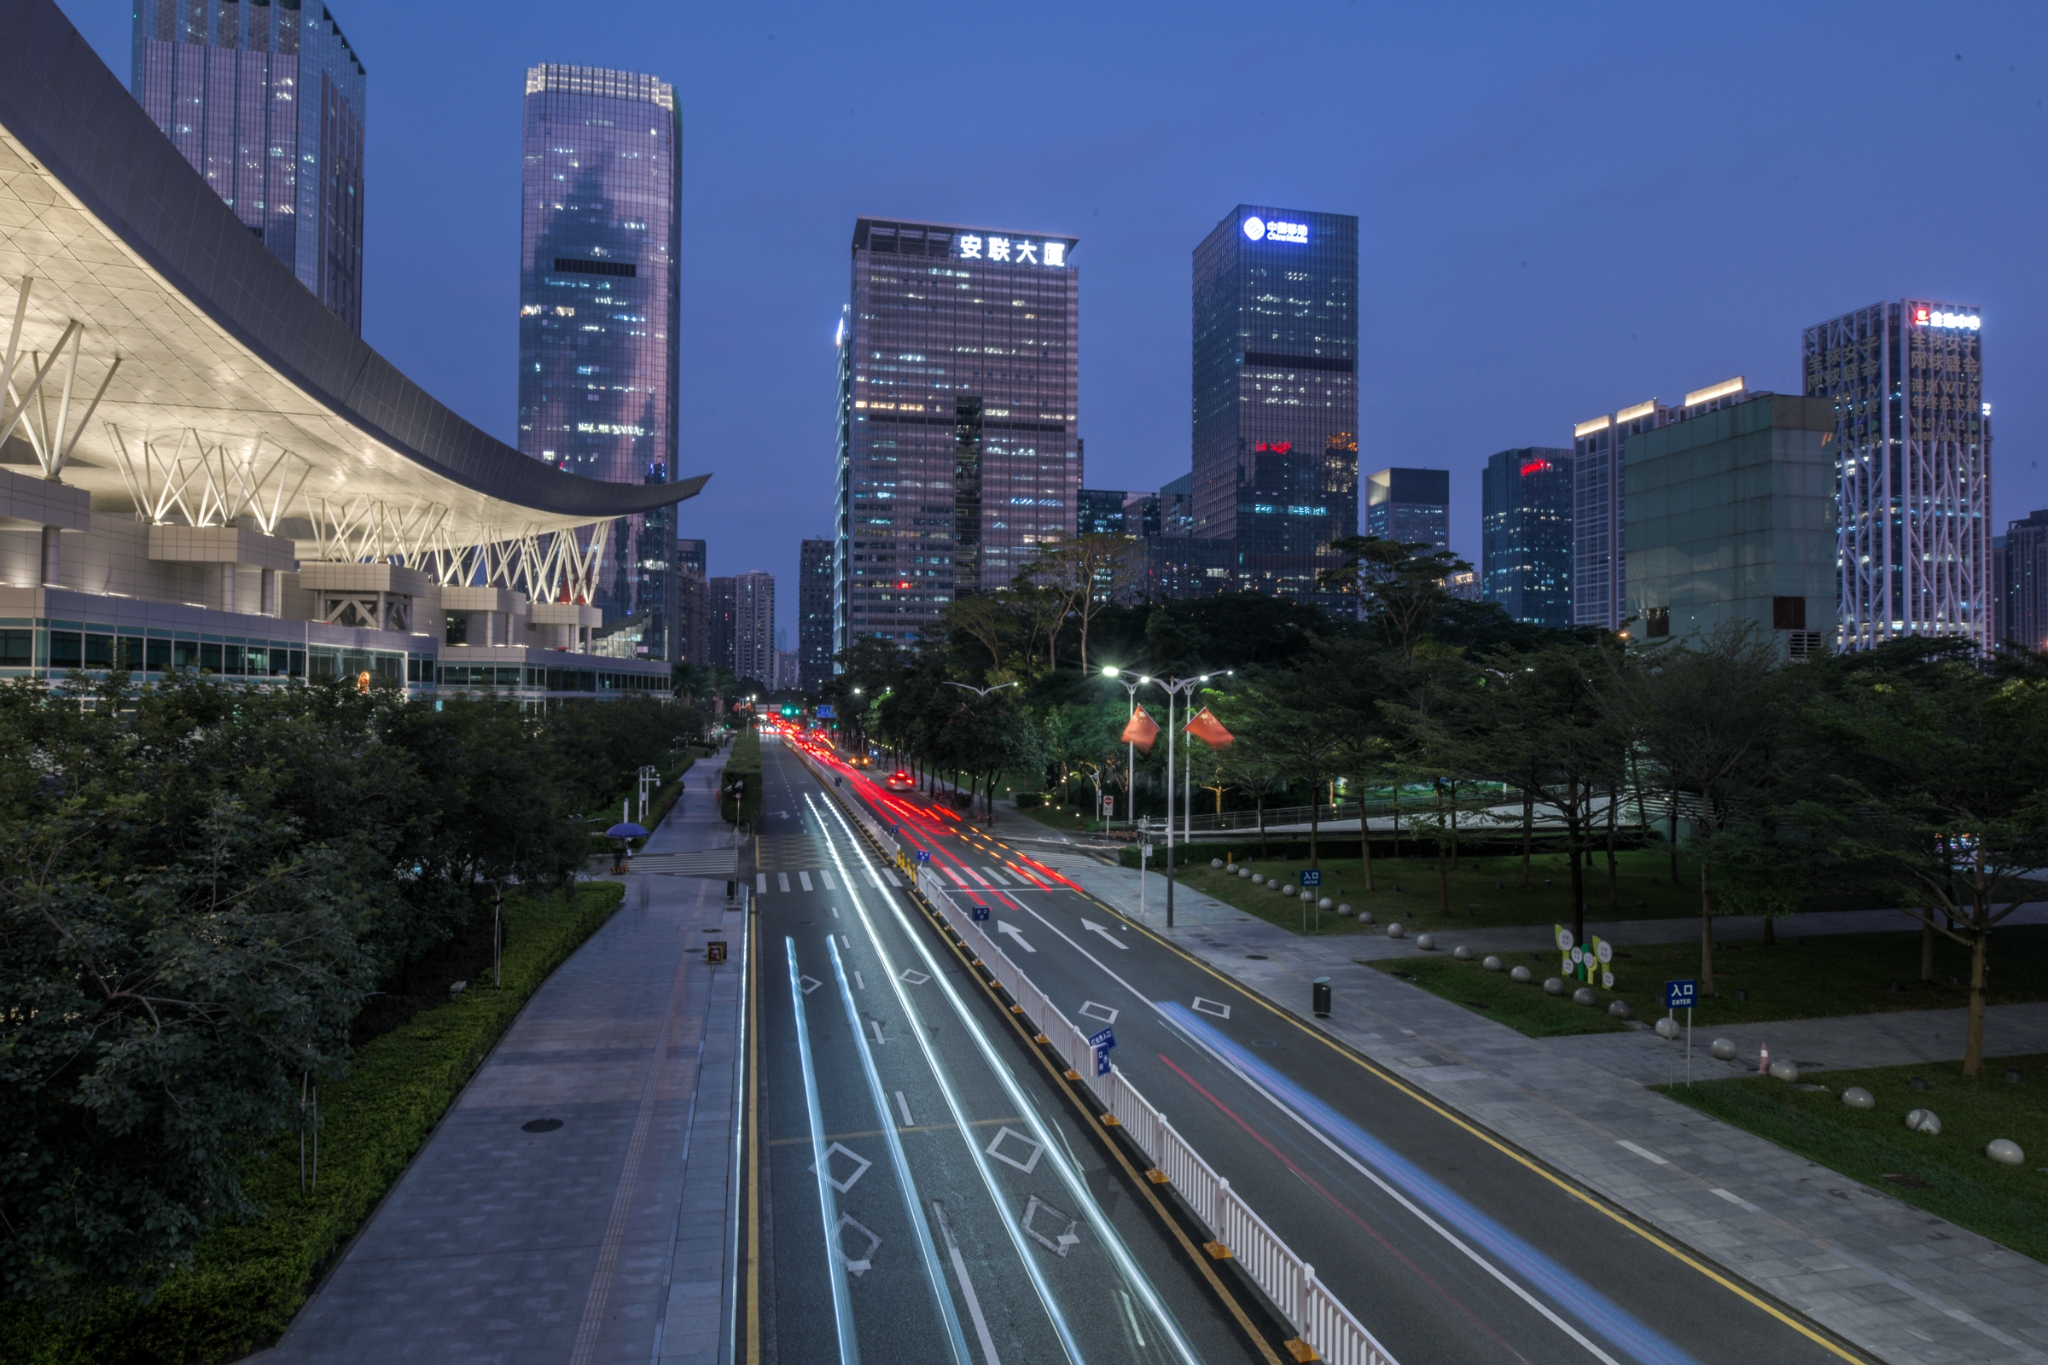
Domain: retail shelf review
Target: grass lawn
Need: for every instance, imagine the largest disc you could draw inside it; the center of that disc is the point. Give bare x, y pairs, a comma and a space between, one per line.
1065, 819
1814, 978
1494, 995
1947, 1174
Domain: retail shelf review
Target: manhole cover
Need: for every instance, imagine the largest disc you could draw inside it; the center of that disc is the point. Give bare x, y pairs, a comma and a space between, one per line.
540, 1125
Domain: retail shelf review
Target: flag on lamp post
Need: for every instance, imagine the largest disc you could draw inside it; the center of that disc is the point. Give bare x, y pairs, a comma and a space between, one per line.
1140, 730
1209, 730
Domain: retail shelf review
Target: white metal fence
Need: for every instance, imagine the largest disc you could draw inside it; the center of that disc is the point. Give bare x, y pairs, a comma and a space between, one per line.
1318, 1318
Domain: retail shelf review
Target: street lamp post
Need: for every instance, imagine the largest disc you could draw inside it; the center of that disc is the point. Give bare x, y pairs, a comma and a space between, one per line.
983, 693
1130, 746
1173, 687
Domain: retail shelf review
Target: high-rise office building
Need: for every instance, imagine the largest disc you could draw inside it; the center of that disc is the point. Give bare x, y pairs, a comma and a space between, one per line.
692, 593
1600, 502
691, 555
1526, 535
958, 397
266, 102
2022, 563
1412, 506
1142, 515
814, 613
1275, 407
1731, 518
599, 308
1101, 511
1913, 469
723, 633
753, 627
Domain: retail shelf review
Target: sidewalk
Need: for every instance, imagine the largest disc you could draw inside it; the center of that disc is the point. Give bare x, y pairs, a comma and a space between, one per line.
604, 1237
1903, 1285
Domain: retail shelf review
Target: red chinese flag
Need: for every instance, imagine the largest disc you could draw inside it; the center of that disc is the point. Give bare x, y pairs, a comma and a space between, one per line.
1209, 730
1141, 730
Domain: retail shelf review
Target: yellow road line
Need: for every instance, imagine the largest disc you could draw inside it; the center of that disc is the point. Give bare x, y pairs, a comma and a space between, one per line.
1528, 1162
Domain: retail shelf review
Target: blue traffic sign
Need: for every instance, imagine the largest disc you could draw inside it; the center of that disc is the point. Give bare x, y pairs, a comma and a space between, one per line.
1106, 1038
1679, 995
1102, 1042
980, 912
1311, 877
826, 713
924, 855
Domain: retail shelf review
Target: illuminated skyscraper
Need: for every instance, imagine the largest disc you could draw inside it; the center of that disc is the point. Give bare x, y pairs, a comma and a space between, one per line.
814, 613
1913, 469
1526, 534
599, 308
958, 398
1276, 394
266, 101
1412, 506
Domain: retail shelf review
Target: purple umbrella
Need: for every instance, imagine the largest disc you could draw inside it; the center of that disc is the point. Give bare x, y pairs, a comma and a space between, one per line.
625, 831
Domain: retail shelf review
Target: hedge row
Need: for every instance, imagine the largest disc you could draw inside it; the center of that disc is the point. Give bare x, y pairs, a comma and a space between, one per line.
247, 1280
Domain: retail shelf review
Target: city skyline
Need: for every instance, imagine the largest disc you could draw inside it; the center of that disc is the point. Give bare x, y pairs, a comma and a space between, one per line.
1576, 315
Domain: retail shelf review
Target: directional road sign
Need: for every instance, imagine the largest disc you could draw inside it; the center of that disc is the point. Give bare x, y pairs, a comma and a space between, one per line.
1102, 1042
1311, 877
980, 912
1679, 995
924, 855
826, 713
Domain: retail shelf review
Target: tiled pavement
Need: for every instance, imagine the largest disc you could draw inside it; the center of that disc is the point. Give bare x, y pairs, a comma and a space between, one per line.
1903, 1285
603, 1239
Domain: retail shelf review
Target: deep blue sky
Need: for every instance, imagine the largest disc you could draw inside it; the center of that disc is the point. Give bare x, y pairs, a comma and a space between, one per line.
1563, 208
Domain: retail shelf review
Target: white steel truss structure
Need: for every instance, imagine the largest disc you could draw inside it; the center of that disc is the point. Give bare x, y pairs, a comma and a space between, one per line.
548, 566
1913, 473
209, 485
25, 390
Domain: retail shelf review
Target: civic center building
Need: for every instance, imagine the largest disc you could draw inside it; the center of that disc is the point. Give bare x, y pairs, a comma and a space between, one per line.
202, 466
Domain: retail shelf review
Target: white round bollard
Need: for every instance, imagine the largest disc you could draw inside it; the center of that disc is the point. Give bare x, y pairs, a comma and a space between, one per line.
1395, 930
1492, 963
1522, 974
1924, 1121
2006, 1152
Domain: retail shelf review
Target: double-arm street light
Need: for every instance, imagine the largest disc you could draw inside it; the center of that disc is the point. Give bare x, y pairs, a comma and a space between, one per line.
1173, 687
1131, 682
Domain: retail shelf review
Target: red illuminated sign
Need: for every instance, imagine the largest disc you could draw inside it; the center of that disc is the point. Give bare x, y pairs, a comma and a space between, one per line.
1273, 447
1920, 316
1536, 467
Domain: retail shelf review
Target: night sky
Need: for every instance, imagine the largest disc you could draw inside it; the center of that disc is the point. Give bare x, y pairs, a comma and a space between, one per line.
1564, 209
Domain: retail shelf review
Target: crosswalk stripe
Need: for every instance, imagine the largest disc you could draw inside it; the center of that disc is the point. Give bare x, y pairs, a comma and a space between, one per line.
892, 877
999, 878
783, 878
761, 882
805, 878
958, 880
873, 879
826, 876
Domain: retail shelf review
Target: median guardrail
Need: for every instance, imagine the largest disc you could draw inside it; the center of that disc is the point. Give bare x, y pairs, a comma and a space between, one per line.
1319, 1320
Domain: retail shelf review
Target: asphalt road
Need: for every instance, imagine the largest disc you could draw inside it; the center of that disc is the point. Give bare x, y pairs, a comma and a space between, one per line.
1448, 1244
961, 1213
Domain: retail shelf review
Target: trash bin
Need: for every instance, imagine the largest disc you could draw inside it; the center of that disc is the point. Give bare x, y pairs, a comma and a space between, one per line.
1322, 997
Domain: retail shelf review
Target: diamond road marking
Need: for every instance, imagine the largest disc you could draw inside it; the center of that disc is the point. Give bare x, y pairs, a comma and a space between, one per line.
915, 977
811, 984
1211, 1007
1102, 1012
994, 1149
1057, 1245
860, 1169
856, 1268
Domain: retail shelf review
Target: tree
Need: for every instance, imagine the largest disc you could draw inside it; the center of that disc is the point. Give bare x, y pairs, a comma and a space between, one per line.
1087, 571
1284, 724
1711, 716
1400, 584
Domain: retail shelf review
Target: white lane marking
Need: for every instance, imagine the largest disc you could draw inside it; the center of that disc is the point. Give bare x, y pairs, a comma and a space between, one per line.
988, 1345
858, 982
825, 876
1003, 926
783, 879
976, 875
903, 1106
805, 878
761, 882
1202, 1006
1643, 1152
1000, 880
892, 879
957, 879
876, 1025
835, 911
1735, 1198
995, 1149
1092, 927
1093, 1010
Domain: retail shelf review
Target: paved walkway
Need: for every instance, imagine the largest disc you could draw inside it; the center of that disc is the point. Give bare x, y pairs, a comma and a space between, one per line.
604, 1238
1905, 1286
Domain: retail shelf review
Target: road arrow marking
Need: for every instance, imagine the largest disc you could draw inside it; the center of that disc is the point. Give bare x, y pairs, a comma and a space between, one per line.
1092, 927
1005, 927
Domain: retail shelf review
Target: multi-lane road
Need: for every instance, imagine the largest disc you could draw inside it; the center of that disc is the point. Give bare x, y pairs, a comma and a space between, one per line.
962, 1163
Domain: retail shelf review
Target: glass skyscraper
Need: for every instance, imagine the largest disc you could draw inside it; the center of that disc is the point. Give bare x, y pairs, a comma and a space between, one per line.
266, 101
599, 309
1526, 535
814, 613
958, 398
1412, 506
1913, 469
1276, 393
